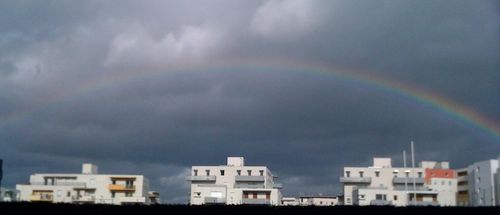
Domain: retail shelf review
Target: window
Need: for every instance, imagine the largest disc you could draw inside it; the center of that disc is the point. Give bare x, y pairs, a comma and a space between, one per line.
377, 173
261, 172
128, 194
113, 194
249, 172
113, 182
347, 174
395, 198
361, 174
381, 197
449, 183
238, 172
420, 174
222, 172
68, 194
442, 182
195, 172
208, 172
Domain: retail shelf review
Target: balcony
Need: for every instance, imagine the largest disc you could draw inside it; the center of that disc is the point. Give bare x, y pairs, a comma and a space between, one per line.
60, 183
83, 199
256, 201
215, 200
202, 178
401, 180
41, 198
364, 180
249, 178
277, 185
117, 187
380, 202
240, 185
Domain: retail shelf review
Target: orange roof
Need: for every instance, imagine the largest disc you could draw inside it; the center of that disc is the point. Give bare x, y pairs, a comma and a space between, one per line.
439, 173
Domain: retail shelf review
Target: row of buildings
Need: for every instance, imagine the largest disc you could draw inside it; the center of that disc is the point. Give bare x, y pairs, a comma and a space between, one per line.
431, 183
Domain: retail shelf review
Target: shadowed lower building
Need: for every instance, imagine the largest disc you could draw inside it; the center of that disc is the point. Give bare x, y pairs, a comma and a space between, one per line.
87, 187
233, 184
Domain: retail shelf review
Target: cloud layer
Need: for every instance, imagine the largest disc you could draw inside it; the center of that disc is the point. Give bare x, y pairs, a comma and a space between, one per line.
154, 88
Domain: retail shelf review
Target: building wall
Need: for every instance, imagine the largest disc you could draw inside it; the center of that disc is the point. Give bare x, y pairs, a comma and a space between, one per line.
481, 183
226, 190
90, 188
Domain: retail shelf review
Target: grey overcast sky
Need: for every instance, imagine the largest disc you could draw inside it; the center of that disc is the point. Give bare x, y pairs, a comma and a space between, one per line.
132, 86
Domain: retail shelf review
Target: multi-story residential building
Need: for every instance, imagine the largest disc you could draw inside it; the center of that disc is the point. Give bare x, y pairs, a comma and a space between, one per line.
87, 187
318, 200
463, 187
234, 184
477, 184
382, 184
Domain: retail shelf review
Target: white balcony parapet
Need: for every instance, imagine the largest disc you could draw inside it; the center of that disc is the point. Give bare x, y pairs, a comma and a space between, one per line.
402, 180
256, 201
355, 179
201, 178
249, 178
215, 200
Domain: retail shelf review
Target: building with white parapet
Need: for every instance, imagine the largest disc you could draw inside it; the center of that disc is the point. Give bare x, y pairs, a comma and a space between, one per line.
382, 184
319, 200
87, 187
8, 195
479, 184
233, 184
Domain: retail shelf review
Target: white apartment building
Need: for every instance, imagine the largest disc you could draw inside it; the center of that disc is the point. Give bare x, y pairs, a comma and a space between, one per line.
382, 184
318, 200
87, 187
478, 183
233, 184
289, 201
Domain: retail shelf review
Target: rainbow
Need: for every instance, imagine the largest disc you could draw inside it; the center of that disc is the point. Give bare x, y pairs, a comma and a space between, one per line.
455, 111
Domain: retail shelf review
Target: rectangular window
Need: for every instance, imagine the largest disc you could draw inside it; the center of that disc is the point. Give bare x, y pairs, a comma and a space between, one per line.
222, 172
208, 172
377, 173
420, 174
238, 172
255, 195
347, 174
261, 172
361, 174
395, 197
195, 172
249, 172
113, 194
68, 194
381, 197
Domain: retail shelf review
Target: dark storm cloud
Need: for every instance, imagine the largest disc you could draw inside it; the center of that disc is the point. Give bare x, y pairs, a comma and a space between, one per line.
304, 126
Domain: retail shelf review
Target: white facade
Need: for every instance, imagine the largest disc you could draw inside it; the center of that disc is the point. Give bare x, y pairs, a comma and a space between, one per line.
88, 187
233, 184
289, 201
8, 195
318, 200
382, 184
481, 183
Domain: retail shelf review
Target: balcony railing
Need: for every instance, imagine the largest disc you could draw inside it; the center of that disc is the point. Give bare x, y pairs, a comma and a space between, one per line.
41, 198
249, 178
240, 185
83, 198
201, 178
118, 187
277, 185
365, 180
256, 201
401, 180
215, 200
380, 202
60, 183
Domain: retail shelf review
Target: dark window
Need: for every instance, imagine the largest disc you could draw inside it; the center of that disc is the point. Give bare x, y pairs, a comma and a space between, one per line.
238, 172
347, 174
249, 172
195, 172
208, 172
395, 198
222, 172
377, 174
261, 172
361, 174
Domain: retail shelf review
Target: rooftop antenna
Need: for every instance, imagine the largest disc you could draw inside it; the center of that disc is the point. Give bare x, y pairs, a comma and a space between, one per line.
413, 170
404, 165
